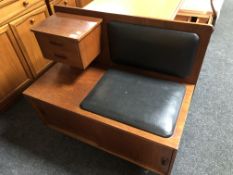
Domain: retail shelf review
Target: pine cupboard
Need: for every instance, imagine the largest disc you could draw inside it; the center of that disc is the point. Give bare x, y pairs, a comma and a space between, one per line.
13, 74
21, 60
27, 41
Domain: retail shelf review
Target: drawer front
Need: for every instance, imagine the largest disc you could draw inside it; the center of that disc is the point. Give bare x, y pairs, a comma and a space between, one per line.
70, 58
59, 49
9, 9
27, 41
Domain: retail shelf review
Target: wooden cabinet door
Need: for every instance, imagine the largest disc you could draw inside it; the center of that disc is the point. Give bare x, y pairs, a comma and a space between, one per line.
13, 75
27, 41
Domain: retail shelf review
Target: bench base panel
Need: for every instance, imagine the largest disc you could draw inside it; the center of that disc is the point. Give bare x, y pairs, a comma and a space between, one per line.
145, 153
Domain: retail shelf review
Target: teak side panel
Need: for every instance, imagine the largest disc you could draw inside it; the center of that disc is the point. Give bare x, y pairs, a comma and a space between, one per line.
204, 32
126, 145
27, 41
14, 73
87, 53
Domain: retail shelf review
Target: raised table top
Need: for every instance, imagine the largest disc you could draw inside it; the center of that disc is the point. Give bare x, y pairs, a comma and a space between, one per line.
162, 9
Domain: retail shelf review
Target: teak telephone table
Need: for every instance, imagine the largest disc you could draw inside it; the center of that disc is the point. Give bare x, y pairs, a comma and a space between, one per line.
136, 53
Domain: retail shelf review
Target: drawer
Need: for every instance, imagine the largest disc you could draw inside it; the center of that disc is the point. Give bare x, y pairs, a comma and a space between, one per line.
59, 49
10, 9
71, 3
66, 38
53, 42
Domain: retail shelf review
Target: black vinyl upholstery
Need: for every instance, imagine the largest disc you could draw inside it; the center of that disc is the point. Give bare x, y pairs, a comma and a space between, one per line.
145, 103
166, 51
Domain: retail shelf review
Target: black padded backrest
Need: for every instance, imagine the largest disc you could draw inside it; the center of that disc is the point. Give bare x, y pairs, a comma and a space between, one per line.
166, 51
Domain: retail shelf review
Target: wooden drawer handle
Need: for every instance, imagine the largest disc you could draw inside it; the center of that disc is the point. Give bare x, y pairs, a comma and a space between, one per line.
32, 21
25, 3
66, 2
56, 43
63, 57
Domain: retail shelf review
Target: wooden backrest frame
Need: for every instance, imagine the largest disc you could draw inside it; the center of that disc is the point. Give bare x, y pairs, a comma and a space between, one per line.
203, 31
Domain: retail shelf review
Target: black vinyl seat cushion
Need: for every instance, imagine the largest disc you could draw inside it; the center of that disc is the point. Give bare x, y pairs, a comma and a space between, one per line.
142, 102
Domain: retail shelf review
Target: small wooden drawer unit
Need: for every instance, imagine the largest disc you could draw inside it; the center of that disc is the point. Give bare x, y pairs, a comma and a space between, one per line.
70, 39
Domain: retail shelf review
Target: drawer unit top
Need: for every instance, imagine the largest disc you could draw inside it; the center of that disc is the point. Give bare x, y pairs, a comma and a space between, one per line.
68, 26
66, 38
